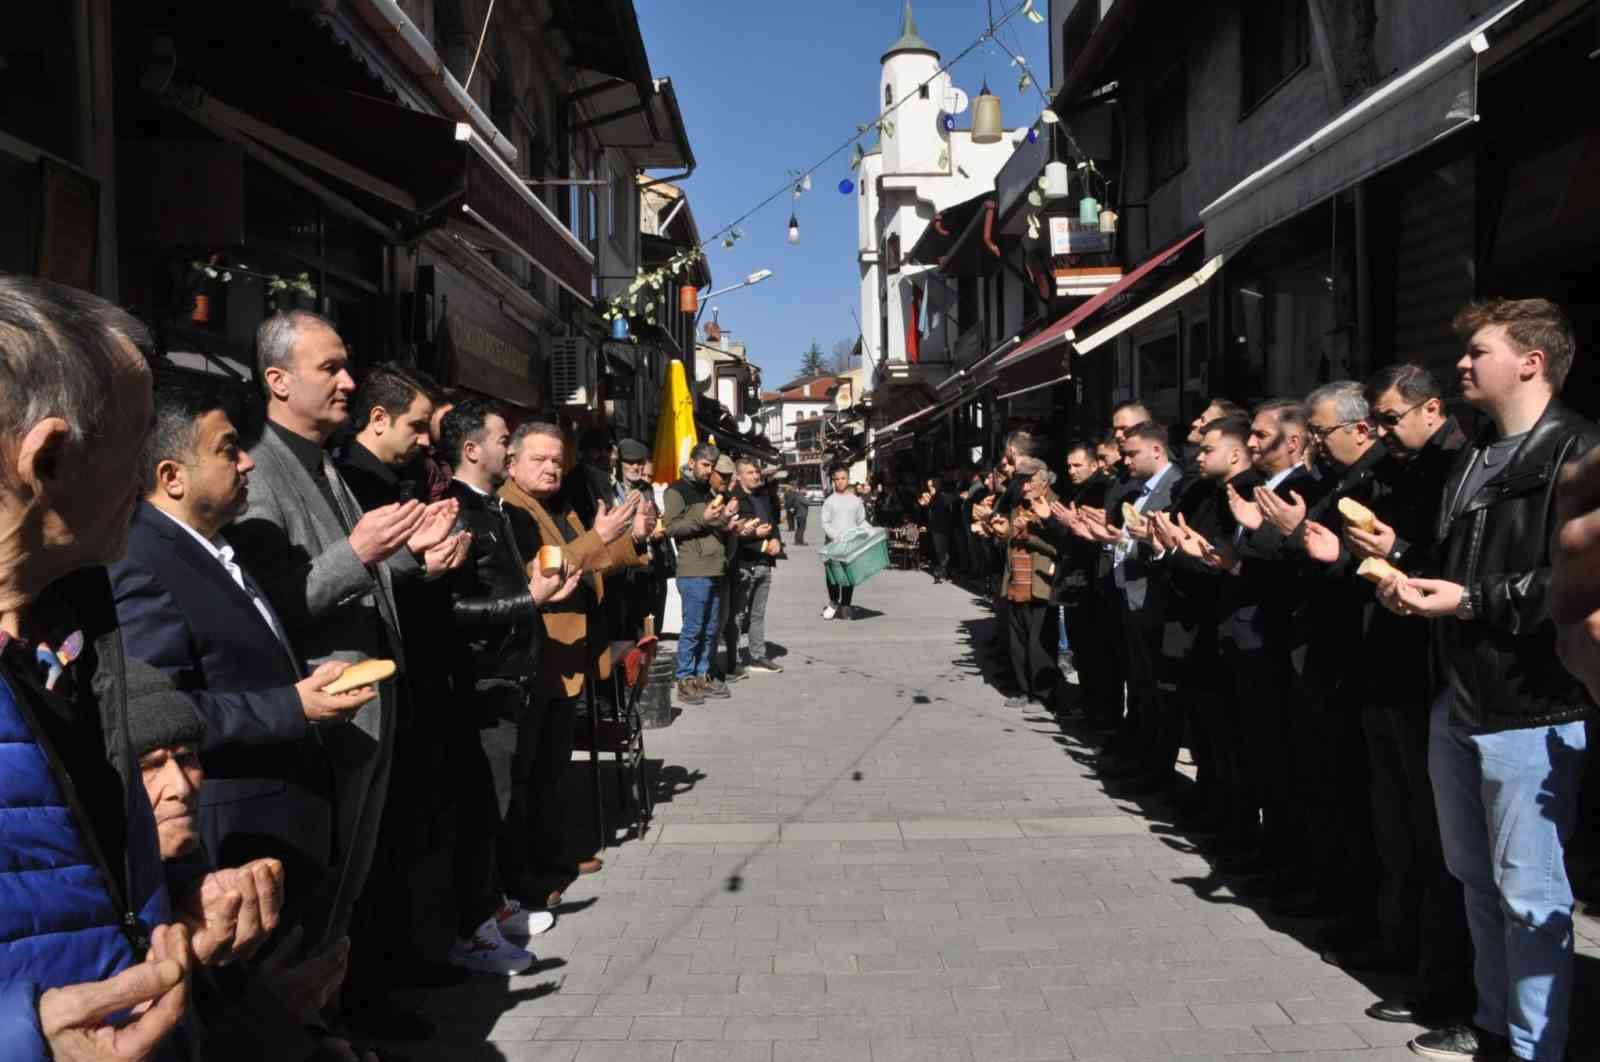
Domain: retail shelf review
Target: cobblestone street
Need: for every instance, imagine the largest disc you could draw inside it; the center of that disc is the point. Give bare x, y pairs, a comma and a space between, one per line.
867, 857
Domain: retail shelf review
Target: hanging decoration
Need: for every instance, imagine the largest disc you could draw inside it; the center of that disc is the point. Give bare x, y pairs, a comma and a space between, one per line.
846, 186
986, 124
688, 299
794, 229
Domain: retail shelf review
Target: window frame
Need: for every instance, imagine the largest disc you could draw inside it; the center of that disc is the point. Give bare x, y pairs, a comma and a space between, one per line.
1285, 11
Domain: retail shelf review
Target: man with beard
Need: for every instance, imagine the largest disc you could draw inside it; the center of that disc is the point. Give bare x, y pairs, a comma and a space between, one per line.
1421, 920
1255, 606
1195, 675
1099, 681
1329, 749
495, 619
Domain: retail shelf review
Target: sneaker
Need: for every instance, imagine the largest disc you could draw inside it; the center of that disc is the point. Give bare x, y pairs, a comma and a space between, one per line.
767, 666
1461, 1043
517, 920
738, 675
689, 692
710, 687
829, 612
1018, 701
486, 951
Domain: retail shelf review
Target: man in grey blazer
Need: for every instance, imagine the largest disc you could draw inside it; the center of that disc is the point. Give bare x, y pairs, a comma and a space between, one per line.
329, 572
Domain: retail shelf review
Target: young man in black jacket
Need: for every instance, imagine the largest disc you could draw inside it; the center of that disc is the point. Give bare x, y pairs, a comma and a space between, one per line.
1507, 741
495, 615
756, 556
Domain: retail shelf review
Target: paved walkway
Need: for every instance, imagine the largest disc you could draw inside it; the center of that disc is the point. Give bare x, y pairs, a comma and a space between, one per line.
868, 858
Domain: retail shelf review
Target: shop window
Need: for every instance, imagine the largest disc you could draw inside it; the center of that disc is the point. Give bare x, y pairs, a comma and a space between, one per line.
1167, 126
1274, 43
1158, 376
1196, 368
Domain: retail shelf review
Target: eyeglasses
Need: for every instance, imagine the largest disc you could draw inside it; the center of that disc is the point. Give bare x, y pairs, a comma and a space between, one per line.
1392, 420
1321, 434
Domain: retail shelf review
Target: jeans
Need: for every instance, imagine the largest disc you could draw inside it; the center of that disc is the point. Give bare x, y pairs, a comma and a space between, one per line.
1063, 645
1507, 804
698, 639
750, 610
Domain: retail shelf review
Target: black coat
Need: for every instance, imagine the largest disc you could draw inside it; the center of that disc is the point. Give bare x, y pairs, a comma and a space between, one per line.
491, 606
1394, 669
266, 772
1501, 666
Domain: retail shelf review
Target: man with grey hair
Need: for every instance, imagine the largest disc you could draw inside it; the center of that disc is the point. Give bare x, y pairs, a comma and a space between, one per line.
95, 943
1328, 747
329, 571
696, 520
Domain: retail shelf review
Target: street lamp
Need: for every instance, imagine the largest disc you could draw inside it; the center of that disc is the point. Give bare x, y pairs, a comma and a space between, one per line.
754, 278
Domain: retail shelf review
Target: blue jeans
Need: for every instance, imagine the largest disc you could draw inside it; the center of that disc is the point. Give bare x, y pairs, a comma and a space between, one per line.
697, 640
1507, 804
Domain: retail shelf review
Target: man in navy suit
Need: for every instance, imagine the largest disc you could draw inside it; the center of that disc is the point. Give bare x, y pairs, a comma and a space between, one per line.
188, 608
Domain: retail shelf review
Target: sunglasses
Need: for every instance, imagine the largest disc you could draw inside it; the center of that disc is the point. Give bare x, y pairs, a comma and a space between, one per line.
1321, 434
1392, 420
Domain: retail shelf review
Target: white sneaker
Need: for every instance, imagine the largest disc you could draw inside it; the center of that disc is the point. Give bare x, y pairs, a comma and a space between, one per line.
829, 612
517, 920
489, 952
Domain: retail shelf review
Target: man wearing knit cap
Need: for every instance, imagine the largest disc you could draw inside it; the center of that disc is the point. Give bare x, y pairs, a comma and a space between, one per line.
167, 733
643, 591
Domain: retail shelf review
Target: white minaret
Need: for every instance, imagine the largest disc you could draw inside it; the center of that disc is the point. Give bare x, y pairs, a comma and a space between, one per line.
918, 142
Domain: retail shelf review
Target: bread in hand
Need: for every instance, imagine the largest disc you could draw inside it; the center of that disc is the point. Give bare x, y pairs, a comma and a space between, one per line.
1377, 569
549, 560
1357, 515
366, 673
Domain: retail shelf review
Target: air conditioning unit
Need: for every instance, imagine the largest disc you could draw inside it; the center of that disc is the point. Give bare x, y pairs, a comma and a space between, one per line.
572, 369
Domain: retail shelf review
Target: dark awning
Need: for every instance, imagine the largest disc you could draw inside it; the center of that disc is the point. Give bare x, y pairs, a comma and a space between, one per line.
945, 229
712, 420
645, 122
604, 36
436, 169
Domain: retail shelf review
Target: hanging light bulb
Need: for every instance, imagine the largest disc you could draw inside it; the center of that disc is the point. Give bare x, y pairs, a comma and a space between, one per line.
794, 229
986, 124
1108, 220
805, 183
1089, 210
1055, 181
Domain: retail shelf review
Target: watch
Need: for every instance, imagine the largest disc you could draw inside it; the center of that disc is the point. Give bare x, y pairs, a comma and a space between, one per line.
1465, 610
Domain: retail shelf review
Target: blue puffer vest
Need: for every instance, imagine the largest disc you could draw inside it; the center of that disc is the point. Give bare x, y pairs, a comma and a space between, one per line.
60, 922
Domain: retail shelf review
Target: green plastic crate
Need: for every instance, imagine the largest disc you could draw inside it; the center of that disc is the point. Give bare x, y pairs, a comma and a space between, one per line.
857, 561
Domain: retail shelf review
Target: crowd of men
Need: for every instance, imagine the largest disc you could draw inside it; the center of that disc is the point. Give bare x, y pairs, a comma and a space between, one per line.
1345, 606
209, 842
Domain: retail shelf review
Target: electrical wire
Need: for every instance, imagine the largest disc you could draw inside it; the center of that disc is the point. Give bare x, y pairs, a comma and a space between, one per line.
482, 35
787, 187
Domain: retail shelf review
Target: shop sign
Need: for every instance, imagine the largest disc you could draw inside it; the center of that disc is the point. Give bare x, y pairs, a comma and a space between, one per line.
1068, 235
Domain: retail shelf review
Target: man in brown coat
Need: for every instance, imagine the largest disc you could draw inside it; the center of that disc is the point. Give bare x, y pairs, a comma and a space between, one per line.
577, 643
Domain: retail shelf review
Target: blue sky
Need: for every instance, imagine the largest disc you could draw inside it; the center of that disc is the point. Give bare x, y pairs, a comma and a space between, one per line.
768, 87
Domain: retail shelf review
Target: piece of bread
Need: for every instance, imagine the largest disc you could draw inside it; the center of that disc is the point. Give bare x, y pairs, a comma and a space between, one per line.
366, 673
1357, 515
1131, 517
549, 560
1377, 569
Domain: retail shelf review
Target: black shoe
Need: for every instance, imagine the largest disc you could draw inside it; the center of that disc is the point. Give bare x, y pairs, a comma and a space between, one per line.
710, 687
1461, 1043
766, 666
1424, 1010
738, 675
1372, 956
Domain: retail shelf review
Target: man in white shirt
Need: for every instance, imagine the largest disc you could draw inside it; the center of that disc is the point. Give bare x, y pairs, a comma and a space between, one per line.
188, 608
841, 511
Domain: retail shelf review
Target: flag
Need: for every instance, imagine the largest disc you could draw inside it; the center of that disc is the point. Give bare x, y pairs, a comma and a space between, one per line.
675, 435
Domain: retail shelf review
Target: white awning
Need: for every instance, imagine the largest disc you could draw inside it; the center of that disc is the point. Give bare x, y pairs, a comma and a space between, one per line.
1432, 99
1151, 306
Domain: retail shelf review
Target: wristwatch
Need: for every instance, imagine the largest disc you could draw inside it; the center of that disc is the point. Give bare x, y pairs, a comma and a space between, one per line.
1465, 610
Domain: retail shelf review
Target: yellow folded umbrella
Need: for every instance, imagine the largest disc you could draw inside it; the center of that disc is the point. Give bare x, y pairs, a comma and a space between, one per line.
675, 434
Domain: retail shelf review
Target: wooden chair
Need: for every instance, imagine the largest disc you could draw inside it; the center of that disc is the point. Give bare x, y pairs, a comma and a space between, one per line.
614, 726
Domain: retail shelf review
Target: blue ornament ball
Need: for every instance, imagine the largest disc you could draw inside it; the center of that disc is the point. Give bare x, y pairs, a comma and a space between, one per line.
1033, 135
947, 122
846, 186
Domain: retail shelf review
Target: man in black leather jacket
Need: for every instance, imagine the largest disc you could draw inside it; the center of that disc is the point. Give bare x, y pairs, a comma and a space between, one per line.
494, 612
1507, 739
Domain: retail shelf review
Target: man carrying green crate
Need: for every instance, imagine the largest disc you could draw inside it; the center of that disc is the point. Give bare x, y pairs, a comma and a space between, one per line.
841, 511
